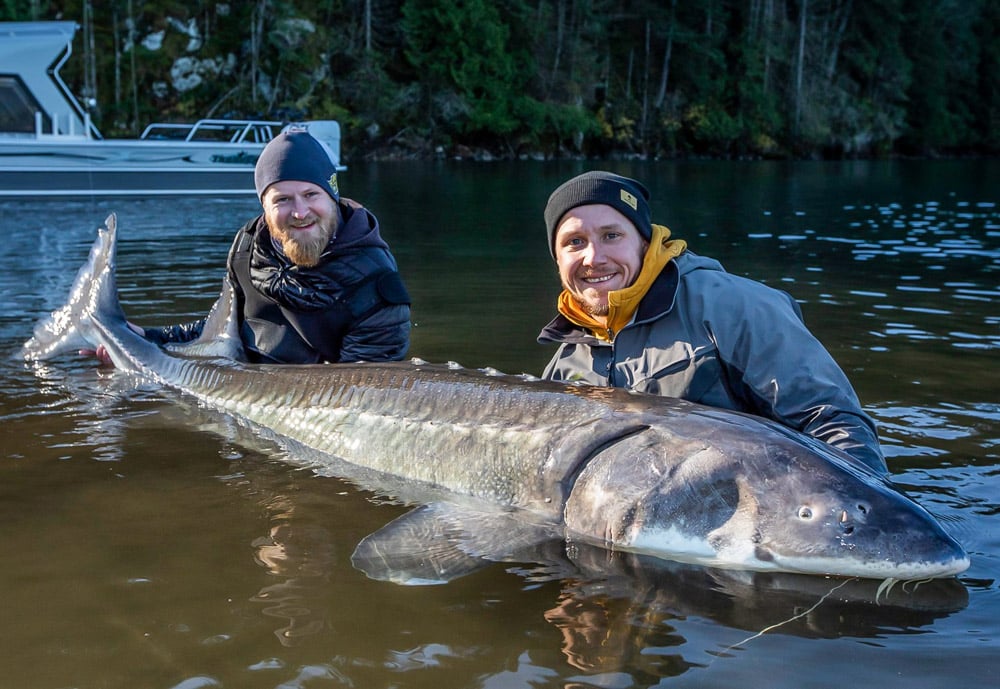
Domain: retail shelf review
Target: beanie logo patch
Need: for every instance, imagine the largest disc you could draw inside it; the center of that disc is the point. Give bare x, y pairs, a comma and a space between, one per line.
333, 184
630, 199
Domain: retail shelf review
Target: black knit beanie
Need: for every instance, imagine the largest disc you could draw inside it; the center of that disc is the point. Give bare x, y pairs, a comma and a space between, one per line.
295, 155
627, 196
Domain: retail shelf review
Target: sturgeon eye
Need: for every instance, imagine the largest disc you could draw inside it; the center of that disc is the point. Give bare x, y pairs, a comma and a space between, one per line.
805, 512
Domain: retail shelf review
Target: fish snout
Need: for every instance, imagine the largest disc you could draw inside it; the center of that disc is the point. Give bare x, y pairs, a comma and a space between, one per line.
846, 517
852, 516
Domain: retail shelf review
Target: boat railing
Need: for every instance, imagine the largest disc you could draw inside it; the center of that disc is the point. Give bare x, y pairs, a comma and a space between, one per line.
69, 131
231, 131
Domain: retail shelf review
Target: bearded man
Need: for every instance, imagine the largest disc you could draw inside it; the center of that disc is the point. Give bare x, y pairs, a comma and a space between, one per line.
314, 280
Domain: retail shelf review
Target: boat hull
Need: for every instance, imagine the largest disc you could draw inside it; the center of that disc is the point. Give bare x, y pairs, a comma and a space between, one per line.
125, 182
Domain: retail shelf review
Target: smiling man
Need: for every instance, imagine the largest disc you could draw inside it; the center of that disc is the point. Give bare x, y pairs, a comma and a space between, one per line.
638, 310
314, 279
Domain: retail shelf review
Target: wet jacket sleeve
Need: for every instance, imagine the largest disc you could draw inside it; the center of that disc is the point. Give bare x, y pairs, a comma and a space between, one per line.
778, 369
184, 332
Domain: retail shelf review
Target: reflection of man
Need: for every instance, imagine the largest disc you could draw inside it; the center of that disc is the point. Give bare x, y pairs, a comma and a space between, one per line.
640, 311
609, 622
593, 640
301, 556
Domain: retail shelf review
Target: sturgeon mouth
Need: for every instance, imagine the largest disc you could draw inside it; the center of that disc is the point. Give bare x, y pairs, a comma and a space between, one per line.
872, 569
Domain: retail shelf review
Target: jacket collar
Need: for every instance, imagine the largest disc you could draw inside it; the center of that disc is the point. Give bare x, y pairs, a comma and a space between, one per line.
658, 302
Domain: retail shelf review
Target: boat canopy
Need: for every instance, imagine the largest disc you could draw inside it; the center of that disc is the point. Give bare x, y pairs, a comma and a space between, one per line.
33, 98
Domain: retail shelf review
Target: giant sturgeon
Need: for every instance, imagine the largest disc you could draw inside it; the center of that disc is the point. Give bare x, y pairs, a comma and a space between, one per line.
625, 471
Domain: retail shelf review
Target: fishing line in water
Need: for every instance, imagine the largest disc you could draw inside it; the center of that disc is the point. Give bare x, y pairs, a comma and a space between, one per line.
800, 615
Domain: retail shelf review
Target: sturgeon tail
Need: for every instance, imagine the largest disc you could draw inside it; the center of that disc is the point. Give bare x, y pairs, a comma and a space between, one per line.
93, 315
94, 291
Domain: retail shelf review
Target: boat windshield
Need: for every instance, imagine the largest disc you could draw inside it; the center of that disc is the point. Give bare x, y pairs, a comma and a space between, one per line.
17, 107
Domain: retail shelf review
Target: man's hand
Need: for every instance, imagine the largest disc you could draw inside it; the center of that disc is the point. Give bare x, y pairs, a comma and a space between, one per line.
101, 353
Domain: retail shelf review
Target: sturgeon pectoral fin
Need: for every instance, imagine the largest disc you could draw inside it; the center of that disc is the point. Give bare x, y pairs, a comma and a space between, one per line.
437, 543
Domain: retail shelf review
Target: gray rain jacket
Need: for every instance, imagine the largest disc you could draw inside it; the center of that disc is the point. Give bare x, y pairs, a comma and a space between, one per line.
708, 336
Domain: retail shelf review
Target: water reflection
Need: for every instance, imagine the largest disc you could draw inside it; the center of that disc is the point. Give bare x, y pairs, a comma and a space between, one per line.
300, 556
619, 607
100, 403
155, 544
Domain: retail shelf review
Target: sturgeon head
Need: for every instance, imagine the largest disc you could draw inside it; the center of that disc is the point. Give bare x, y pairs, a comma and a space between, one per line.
753, 495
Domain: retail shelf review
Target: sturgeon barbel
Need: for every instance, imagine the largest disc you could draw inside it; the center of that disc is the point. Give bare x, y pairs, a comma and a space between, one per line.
507, 458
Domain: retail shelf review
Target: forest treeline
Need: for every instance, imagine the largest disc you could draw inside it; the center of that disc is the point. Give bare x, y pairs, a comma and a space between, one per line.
554, 78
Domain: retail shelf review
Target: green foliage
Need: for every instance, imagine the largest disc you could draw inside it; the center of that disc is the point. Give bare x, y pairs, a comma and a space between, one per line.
16, 10
461, 50
557, 77
712, 128
985, 98
939, 109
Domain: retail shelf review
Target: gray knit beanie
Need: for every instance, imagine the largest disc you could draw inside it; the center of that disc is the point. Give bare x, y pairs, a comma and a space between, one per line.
627, 196
295, 155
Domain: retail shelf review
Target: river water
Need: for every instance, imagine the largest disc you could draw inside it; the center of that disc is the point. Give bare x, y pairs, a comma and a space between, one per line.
152, 543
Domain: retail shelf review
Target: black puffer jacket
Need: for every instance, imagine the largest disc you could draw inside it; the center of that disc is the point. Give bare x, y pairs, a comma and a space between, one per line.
353, 306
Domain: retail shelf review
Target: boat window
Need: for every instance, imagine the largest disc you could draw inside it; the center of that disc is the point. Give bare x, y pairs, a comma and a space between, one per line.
17, 106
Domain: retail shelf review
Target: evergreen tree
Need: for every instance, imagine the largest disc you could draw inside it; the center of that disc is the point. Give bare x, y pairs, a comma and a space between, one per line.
556, 77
